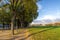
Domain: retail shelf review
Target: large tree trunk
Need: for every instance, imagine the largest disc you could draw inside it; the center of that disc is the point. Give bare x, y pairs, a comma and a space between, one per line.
16, 23
3, 26
12, 25
21, 24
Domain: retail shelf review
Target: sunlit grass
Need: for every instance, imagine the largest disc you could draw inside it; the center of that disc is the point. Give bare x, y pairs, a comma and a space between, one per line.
48, 33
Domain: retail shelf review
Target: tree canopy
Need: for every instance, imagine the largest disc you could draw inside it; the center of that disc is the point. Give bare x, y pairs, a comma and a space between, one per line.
22, 10
25, 10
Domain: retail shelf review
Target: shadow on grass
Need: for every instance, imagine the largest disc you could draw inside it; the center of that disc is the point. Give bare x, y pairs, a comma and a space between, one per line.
39, 31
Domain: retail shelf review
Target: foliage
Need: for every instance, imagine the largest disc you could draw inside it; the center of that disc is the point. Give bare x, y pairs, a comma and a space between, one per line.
5, 15
24, 11
21, 10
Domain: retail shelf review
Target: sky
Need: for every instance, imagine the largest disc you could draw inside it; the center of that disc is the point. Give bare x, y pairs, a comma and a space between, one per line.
48, 9
4, 2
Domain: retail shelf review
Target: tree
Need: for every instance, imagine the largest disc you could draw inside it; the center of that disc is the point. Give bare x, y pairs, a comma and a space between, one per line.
24, 11
5, 16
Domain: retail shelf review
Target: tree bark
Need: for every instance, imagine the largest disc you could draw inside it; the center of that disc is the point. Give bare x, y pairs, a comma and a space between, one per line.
21, 24
16, 24
12, 25
3, 26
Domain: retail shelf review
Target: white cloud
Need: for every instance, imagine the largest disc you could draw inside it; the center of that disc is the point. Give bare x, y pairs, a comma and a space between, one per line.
58, 13
48, 17
39, 7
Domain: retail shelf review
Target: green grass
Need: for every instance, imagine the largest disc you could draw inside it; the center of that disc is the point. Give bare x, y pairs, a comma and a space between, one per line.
45, 33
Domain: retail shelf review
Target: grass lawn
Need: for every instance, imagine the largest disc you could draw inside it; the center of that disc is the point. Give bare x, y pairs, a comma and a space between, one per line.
45, 33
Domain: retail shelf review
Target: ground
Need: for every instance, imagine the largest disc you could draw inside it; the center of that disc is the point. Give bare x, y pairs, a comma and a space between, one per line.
33, 33
45, 33
20, 35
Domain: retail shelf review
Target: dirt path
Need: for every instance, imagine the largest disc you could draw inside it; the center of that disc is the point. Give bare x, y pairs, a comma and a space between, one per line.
22, 35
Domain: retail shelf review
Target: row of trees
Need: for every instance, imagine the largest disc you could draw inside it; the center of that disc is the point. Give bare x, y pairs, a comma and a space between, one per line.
24, 11
5, 16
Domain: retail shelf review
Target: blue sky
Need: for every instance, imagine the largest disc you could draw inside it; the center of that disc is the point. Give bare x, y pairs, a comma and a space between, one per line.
48, 9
